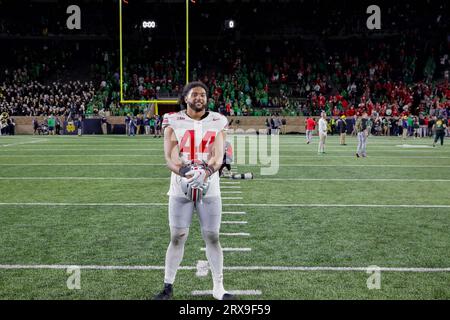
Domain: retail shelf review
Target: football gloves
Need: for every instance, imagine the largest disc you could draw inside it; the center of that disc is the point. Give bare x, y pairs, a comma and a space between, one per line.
197, 178
197, 173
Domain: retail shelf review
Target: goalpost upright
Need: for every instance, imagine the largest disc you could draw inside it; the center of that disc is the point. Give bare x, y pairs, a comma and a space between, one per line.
155, 101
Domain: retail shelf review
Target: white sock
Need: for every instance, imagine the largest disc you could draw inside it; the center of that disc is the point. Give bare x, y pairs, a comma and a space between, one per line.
174, 253
215, 258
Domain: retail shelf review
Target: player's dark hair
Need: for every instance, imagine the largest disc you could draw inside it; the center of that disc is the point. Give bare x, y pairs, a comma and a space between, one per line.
188, 87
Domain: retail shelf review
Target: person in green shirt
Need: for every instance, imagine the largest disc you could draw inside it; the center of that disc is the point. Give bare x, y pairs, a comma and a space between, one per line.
410, 125
152, 124
211, 105
51, 125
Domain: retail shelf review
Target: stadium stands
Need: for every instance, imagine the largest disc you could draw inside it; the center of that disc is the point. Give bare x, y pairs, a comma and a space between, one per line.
250, 71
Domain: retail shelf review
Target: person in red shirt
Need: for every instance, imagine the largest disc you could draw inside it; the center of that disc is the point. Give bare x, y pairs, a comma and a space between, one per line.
228, 108
310, 126
321, 101
351, 112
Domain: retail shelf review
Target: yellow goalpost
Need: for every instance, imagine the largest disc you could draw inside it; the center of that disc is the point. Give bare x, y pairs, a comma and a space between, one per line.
157, 101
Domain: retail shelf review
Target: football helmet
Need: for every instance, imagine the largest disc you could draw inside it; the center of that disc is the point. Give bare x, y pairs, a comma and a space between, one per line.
194, 186
193, 193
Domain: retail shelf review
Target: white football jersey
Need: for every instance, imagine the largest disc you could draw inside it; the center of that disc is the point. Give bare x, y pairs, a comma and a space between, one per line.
195, 140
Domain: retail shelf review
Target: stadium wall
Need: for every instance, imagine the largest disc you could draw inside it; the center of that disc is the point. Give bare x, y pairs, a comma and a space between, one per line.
117, 124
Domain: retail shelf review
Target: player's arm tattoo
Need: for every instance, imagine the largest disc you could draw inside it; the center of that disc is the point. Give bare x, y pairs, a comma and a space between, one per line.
171, 151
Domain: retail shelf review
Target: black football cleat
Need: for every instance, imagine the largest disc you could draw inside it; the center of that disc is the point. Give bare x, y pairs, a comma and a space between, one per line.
166, 294
228, 296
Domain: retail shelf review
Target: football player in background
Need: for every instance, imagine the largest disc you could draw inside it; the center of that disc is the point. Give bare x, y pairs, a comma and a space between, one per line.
363, 132
193, 148
322, 132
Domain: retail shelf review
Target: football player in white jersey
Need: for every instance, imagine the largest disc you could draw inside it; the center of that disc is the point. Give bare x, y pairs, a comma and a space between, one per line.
194, 136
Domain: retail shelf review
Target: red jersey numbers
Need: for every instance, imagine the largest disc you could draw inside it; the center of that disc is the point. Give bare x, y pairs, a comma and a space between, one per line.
207, 142
189, 146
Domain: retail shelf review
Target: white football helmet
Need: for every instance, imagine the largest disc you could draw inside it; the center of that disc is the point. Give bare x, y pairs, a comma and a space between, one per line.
192, 189
195, 194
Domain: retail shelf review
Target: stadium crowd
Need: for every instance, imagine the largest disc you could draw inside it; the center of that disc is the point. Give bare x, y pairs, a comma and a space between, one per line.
343, 84
406, 71
32, 98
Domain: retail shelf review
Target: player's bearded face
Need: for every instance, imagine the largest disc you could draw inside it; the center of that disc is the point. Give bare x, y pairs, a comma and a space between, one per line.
196, 99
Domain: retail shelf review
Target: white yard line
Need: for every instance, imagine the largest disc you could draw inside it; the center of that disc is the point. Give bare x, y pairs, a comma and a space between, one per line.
234, 212
148, 204
70, 204
336, 205
336, 146
22, 143
87, 267
371, 157
232, 198
84, 149
261, 179
246, 165
331, 151
231, 192
149, 147
97, 147
364, 269
83, 164
352, 179
30, 156
231, 268
353, 165
234, 222
232, 249
237, 234
230, 187
233, 292
82, 178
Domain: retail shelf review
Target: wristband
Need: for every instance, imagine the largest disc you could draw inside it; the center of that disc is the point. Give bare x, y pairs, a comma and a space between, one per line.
210, 170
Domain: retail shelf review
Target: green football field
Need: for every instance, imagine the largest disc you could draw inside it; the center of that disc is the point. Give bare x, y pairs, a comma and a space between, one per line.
311, 231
